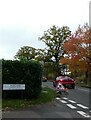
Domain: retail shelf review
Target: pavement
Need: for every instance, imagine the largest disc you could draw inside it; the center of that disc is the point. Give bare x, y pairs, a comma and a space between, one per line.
47, 110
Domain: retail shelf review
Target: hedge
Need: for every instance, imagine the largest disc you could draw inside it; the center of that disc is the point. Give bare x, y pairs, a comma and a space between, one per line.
18, 72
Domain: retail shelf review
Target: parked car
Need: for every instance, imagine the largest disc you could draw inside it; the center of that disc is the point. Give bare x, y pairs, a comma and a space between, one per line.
44, 79
67, 81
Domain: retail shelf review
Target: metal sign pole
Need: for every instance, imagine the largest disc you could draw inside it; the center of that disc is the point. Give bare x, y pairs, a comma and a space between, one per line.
90, 13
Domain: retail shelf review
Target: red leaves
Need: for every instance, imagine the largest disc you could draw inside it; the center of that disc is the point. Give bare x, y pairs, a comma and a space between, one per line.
78, 49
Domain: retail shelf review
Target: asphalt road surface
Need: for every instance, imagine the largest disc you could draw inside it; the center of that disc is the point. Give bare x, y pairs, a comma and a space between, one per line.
74, 105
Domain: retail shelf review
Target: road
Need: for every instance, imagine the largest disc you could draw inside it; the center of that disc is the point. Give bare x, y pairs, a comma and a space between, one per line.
74, 105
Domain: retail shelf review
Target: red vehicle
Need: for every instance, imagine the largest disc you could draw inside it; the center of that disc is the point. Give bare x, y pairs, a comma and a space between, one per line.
66, 81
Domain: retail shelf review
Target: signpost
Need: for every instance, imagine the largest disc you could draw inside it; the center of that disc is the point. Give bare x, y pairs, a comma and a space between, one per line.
14, 87
90, 13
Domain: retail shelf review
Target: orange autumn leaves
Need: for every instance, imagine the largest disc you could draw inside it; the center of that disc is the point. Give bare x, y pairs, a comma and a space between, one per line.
78, 50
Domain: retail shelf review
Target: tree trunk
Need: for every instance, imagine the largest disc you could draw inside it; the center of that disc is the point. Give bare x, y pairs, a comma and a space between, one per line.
87, 77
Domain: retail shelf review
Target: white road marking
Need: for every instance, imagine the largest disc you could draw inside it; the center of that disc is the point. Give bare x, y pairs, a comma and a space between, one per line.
83, 114
82, 106
57, 98
63, 101
71, 106
65, 98
71, 101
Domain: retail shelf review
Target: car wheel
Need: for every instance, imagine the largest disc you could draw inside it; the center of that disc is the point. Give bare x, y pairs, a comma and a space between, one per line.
73, 86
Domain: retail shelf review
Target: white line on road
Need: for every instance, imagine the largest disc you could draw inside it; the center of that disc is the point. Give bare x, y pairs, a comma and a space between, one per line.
83, 114
71, 106
82, 106
57, 98
71, 101
64, 98
63, 101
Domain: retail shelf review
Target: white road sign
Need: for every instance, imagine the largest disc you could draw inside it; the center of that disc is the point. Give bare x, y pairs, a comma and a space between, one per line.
13, 86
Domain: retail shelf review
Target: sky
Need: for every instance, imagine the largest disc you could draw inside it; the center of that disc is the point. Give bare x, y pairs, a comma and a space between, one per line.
22, 22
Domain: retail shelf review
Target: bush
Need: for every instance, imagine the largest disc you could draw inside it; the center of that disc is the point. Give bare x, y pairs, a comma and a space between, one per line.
18, 72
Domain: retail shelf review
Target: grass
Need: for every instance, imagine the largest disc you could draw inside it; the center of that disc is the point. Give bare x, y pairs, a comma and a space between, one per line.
83, 84
47, 95
83, 81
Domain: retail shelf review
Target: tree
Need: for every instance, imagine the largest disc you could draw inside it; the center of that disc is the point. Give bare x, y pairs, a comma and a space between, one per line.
54, 39
78, 50
41, 55
29, 53
26, 53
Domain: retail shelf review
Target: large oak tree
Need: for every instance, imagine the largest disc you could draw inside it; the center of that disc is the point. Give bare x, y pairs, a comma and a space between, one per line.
54, 39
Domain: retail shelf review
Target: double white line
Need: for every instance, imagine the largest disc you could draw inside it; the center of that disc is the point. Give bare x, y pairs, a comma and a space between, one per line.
73, 107
82, 106
83, 114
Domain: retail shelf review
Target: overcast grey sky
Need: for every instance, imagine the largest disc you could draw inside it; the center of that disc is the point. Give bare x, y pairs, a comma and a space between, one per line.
23, 21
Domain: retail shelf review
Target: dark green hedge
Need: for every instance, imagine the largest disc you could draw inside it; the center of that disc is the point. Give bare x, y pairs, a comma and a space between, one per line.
18, 72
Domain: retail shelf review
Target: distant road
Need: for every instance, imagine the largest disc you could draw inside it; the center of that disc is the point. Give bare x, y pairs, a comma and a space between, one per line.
80, 96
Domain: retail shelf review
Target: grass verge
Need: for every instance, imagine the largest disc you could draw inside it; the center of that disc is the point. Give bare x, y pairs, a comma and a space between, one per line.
82, 84
47, 95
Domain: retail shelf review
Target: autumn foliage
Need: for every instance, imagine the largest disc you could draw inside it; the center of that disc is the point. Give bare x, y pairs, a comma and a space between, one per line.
78, 50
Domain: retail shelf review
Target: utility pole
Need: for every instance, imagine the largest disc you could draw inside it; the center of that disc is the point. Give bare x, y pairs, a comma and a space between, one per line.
90, 13
90, 44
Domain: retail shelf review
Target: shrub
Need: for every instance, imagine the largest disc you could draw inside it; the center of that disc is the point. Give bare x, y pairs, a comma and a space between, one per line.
18, 72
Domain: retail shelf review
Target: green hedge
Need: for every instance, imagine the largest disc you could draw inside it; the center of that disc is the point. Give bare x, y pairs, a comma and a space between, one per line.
18, 72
